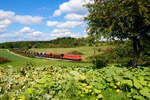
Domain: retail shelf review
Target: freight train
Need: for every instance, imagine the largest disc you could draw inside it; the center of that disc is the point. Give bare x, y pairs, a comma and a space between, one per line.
52, 55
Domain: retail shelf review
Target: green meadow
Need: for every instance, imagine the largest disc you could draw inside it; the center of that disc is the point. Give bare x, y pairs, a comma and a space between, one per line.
18, 61
86, 51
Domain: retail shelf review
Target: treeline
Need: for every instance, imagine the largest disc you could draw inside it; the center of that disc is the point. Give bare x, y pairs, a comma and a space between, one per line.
64, 42
68, 42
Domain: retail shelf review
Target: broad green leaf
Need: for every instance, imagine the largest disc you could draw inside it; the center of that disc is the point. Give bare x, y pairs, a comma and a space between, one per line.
145, 92
137, 85
127, 82
137, 97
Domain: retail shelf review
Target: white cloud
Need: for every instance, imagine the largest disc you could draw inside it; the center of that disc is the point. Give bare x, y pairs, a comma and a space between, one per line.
8, 17
60, 30
27, 19
52, 23
4, 24
64, 33
64, 25
31, 33
69, 24
72, 6
6, 14
74, 16
57, 13
26, 30
24, 34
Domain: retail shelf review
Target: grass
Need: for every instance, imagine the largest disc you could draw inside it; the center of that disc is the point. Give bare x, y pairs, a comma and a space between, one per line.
10, 56
85, 50
18, 61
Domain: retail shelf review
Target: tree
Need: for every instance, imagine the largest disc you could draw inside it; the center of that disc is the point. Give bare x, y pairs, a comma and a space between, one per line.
121, 19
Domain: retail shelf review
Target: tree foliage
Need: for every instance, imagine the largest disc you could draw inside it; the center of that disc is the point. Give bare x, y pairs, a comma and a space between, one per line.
122, 19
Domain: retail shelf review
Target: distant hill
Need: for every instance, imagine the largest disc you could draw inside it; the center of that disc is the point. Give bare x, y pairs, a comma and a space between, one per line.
64, 42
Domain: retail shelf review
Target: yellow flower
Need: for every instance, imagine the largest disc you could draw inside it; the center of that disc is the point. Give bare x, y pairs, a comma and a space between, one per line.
115, 87
117, 90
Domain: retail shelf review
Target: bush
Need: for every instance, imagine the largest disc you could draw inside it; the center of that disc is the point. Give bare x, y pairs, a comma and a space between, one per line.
99, 50
3, 60
99, 63
122, 54
123, 50
108, 49
75, 53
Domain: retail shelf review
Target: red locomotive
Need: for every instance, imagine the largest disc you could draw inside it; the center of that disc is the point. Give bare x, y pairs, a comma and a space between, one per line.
63, 56
72, 57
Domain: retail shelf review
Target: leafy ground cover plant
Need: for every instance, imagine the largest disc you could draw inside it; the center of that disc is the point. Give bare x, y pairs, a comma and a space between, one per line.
74, 83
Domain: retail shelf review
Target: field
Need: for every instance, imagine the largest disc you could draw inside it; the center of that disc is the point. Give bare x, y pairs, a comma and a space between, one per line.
19, 61
13, 57
85, 50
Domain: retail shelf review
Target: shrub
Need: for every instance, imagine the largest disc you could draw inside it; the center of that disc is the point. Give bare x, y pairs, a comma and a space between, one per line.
120, 54
75, 53
123, 50
3, 60
99, 63
99, 50
108, 49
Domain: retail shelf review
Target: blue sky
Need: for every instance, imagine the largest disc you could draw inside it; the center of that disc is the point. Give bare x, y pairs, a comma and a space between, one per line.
26, 20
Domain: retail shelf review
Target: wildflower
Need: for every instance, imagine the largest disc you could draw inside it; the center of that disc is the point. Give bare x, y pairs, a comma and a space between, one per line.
115, 87
117, 90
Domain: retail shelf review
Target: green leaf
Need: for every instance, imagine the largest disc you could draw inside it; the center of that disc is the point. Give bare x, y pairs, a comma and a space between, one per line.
138, 97
29, 90
127, 82
149, 84
118, 78
112, 84
101, 86
109, 79
137, 85
145, 92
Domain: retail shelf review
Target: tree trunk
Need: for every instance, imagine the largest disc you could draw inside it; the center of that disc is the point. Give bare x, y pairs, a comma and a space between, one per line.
137, 49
